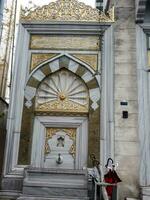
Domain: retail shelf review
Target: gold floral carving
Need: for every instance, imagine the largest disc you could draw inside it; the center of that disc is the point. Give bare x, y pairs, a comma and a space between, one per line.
71, 132
37, 58
73, 42
67, 10
62, 106
89, 59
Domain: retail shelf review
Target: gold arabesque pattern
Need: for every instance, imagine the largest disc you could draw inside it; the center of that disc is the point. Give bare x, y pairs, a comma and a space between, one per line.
37, 58
67, 10
60, 105
71, 132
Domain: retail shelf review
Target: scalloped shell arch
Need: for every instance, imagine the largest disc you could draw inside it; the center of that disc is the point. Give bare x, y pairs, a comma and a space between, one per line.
67, 10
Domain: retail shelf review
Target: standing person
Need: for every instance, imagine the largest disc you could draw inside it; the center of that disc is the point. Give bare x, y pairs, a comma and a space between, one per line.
99, 177
111, 177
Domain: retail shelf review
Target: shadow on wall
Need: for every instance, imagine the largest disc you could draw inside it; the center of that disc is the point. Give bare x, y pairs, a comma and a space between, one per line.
3, 117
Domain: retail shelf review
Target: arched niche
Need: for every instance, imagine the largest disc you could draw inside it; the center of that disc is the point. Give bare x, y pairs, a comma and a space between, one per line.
52, 68
62, 92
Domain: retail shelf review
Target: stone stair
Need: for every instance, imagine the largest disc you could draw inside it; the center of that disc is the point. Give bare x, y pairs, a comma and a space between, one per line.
51, 198
60, 184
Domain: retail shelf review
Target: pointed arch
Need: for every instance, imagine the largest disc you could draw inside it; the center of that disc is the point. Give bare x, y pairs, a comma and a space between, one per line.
70, 63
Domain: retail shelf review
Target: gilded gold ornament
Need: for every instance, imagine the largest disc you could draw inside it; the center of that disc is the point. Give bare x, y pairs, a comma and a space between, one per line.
62, 105
67, 10
71, 132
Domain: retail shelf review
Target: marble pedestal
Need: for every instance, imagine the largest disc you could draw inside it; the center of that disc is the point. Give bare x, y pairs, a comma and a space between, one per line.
145, 193
46, 184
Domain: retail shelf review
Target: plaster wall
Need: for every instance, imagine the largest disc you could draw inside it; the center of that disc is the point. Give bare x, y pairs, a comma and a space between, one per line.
125, 75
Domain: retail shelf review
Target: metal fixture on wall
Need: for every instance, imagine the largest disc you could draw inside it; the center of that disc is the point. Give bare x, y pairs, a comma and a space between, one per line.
124, 103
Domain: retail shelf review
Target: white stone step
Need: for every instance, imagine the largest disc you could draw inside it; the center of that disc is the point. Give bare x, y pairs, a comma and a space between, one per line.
131, 199
51, 198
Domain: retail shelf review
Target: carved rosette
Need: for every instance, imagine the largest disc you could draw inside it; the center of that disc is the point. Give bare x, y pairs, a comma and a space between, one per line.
62, 92
67, 10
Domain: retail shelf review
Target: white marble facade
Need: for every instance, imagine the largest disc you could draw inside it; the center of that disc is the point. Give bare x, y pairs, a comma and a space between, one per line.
50, 160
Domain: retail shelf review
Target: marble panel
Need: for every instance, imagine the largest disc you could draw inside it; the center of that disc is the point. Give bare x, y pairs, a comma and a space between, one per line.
30, 92
129, 93
55, 183
94, 94
125, 81
125, 39
124, 4
132, 107
145, 193
125, 68
130, 122
69, 42
145, 197
64, 62
39, 75
87, 77
125, 56
60, 142
37, 157
126, 148
58, 179
98, 78
126, 19
126, 134
46, 69
92, 84
129, 186
50, 198
54, 66
132, 198
54, 192
33, 82
94, 105
73, 66
127, 162
81, 71
12, 184
128, 190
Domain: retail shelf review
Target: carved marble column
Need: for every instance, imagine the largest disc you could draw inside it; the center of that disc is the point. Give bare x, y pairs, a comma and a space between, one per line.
144, 114
107, 102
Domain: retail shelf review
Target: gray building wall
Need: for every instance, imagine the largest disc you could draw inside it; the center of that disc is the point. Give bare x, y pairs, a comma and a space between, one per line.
125, 76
